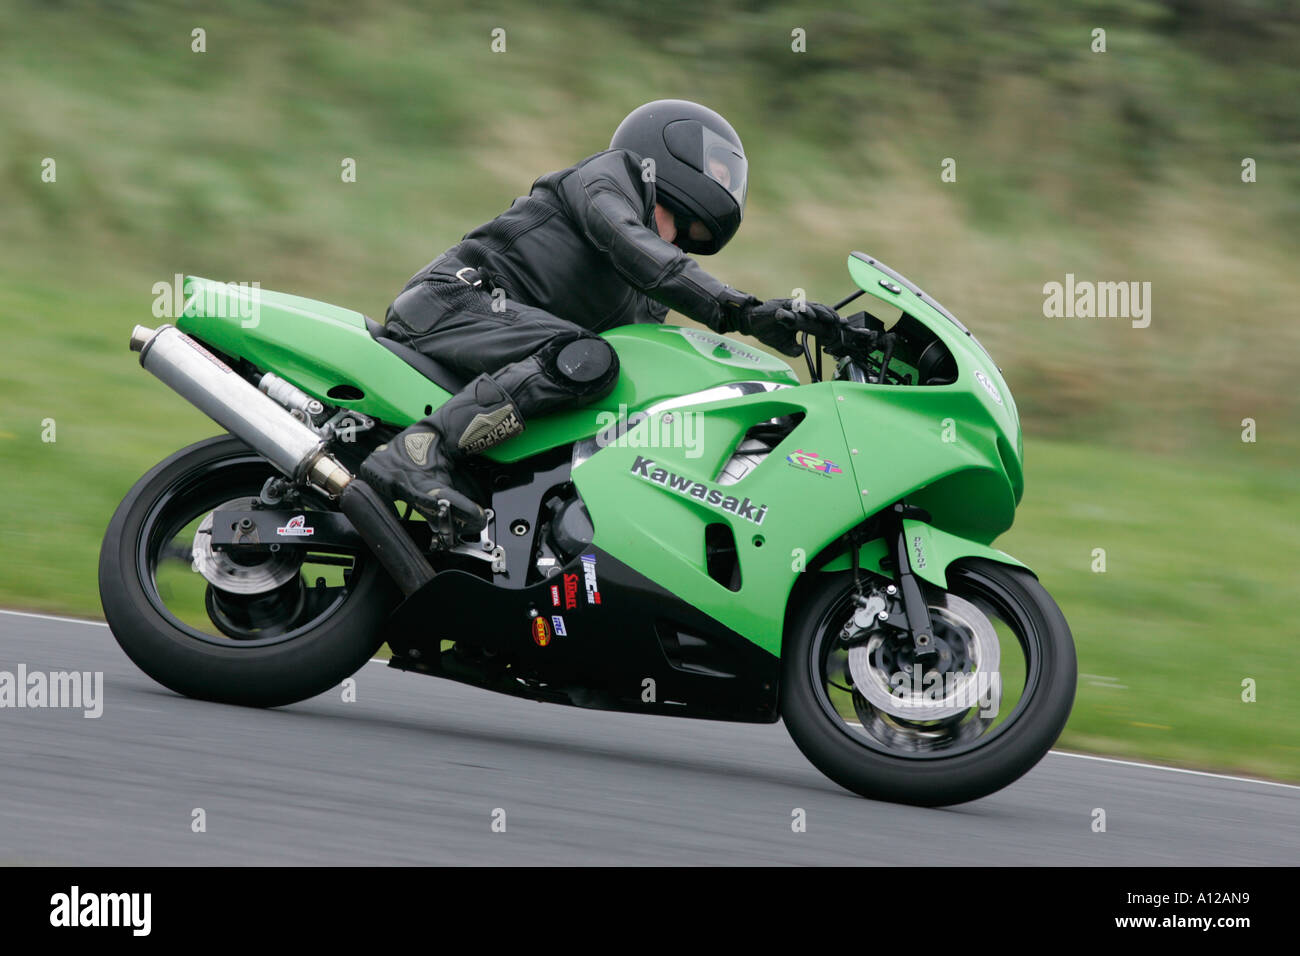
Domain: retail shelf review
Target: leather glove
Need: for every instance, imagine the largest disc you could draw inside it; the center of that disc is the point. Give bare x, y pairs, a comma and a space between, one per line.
776, 321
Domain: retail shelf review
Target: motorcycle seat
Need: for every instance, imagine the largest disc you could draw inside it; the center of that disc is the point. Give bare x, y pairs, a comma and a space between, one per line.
430, 368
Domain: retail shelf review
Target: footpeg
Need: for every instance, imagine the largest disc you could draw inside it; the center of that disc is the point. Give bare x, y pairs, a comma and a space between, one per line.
484, 549
443, 530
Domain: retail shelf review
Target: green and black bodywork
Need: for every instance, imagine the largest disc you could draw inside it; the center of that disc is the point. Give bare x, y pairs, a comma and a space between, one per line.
712, 650
656, 550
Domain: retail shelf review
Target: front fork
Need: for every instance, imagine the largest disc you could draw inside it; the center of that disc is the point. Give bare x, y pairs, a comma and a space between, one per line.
915, 616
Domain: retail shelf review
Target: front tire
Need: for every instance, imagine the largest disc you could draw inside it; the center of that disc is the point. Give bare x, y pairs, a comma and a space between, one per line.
248, 658
934, 762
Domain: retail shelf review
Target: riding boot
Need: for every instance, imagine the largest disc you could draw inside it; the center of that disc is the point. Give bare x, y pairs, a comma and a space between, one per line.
418, 465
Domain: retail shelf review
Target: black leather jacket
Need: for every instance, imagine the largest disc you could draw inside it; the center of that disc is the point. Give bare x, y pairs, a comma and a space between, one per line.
583, 246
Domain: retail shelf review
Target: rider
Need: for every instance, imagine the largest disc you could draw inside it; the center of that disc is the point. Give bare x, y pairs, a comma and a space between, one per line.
520, 300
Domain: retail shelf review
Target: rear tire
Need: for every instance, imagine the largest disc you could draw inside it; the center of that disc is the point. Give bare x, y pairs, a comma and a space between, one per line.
935, 780
294, 667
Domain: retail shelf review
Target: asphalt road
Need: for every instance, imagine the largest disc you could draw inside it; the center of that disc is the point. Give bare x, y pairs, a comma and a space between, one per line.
415, 769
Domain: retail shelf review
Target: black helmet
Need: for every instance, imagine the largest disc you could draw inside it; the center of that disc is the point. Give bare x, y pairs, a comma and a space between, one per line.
699, 167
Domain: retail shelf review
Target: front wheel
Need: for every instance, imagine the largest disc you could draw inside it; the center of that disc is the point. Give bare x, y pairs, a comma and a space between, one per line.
945, 729
257, 629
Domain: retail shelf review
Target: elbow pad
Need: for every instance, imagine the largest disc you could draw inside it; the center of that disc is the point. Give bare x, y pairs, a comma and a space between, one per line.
612, 206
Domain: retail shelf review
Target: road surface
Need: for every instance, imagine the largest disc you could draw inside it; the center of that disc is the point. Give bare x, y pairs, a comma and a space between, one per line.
417, 769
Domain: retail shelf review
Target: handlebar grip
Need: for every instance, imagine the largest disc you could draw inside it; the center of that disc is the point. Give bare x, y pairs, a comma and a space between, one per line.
807, 320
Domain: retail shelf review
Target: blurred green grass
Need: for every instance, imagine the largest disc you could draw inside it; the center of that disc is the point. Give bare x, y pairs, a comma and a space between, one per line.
1198, 594
1117, 166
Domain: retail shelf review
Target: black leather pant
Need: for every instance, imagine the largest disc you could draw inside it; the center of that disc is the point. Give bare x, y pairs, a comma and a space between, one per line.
474, 332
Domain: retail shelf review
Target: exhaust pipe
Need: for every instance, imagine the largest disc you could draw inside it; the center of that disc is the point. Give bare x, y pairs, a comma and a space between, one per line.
217, 390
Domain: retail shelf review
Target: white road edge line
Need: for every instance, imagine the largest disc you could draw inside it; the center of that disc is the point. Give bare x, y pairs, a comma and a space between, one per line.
54, 617
1059, 753
1157, 766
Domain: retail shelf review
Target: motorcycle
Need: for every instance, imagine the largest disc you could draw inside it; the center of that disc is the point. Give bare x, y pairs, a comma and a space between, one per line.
713, 539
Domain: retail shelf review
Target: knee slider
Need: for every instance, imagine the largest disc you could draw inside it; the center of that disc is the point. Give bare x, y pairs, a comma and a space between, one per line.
587, 364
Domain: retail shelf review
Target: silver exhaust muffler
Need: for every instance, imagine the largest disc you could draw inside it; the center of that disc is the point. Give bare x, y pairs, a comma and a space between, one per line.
217, 390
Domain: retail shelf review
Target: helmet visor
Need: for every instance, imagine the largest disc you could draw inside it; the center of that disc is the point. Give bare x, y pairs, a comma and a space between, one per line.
724, 164
692, 234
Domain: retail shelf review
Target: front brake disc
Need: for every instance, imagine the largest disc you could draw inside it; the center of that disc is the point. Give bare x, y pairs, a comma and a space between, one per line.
971, 649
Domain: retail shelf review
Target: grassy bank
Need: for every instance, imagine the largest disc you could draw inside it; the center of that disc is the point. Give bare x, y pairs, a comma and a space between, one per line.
1122, 166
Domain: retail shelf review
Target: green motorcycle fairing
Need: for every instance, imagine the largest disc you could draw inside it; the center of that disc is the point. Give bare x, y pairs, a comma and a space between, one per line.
320, 348
953, 450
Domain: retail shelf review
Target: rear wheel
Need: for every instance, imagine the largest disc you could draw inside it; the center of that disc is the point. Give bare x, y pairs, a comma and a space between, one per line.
933, 731
258, 629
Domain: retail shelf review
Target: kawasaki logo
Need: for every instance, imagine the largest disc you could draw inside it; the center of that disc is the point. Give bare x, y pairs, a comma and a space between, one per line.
645, 468
720, 345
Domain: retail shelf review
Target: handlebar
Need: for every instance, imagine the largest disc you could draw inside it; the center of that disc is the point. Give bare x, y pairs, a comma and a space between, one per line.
835, 335
838, 338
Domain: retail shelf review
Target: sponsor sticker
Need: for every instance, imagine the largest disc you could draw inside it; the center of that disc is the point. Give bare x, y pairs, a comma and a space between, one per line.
814, 462
296, 528
555, 595
206, 354
541, 631
746, 508
570, 592
589, 575
557, 622
988, 386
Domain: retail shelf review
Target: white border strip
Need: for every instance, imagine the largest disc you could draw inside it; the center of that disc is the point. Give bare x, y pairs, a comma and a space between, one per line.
1059, 753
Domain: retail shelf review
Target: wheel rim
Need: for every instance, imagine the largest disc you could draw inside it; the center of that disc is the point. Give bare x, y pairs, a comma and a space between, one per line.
244, 616
989, 671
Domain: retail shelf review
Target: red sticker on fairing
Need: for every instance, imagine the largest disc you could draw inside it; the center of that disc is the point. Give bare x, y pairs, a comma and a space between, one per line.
589, 576
541, 631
